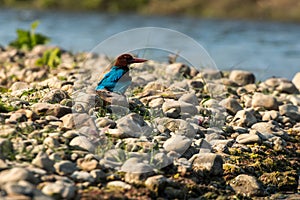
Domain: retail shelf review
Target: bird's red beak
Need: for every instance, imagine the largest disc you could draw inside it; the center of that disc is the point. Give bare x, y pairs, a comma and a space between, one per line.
138, 60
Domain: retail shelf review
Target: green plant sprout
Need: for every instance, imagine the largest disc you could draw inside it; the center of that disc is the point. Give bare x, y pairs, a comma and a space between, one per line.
27, 39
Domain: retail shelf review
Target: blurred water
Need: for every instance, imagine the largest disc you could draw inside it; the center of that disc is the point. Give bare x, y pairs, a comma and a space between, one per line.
265, 48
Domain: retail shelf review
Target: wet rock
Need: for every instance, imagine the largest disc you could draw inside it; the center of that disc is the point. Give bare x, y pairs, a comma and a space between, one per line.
248, 139
60, 190
118, 185
65, 167
82, 142
242, 77
54, 96
43, 161
156, 183
244, 118
133, 125
264, 101
207, 163
231, 105
296, 80
246, 185
291, 111
177, 143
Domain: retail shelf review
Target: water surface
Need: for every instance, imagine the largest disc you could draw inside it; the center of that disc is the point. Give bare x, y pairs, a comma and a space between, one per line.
265, 48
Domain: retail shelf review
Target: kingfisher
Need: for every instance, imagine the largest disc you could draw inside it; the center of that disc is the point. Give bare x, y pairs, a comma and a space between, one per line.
117, 80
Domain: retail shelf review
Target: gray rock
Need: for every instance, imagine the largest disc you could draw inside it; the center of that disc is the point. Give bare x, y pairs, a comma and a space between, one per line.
51, 142
291, 111
177, 126
177, 70
177, 143
136, 170
18, 88
98, 175
190, 98
296, 80
7, 130
156, 103
210, 74
59, 190
55, 96
43, 161
82, 142
270, 115
56, 110
207, 163
78, 120
16, 174
65, 167
118, 185
104, 122
244, 118
281, 85
246, 185
156, 183
248, 139
231, 105
136, 165
202, 145
6, 148
86, 101
264, 101
242, 77
268, 130
82, 176
133, 125
21, 188
171, 109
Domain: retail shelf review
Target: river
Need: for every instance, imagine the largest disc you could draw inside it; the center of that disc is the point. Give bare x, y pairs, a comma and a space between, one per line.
265, 48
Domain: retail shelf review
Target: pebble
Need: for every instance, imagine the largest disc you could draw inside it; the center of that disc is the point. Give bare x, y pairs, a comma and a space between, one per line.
177, 143
231, 105
242, 77
246, 185
65, 167
244, 118
264, 101
43, 161
207, 163
82, 142
60, 190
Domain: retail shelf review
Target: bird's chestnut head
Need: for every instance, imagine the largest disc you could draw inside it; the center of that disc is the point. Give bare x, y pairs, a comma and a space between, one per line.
126, 59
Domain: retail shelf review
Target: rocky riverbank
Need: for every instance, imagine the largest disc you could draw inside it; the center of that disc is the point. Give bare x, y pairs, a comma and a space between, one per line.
179, 133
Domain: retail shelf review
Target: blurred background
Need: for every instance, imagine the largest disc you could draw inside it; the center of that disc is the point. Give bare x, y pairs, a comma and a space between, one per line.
257, 35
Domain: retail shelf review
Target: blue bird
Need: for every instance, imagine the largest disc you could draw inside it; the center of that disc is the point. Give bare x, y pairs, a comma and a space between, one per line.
117, 80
